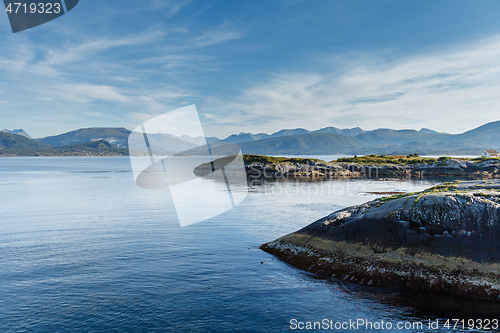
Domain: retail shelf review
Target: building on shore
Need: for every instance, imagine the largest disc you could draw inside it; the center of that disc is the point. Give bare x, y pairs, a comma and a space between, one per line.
490, 153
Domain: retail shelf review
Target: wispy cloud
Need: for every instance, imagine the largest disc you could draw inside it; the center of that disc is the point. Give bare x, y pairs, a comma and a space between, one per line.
216, 37
172, 6
84, 93
455, 88
71, 53
48, 99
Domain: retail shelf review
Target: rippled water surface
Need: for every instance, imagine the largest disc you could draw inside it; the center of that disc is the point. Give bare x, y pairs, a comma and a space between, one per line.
83, 249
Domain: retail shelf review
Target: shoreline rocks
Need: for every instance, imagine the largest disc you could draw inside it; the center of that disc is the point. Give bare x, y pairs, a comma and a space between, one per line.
445, 239
488, 169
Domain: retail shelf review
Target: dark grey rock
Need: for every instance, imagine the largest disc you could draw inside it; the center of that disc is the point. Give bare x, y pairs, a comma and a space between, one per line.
443, 239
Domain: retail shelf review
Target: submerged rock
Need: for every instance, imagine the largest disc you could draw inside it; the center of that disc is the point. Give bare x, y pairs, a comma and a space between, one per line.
445, 239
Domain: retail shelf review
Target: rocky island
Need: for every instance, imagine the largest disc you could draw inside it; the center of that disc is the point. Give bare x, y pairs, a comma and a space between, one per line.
445, 239
371, 166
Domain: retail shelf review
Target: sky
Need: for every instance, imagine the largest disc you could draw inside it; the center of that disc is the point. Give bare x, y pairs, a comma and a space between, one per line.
256, 66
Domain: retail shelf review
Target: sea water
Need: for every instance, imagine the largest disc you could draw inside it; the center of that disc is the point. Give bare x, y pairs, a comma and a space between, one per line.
83, 249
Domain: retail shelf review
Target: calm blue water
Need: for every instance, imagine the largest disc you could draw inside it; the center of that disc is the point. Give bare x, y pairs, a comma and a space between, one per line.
83, 249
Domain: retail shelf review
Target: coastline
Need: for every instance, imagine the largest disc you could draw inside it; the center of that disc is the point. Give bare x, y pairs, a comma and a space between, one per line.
445, 239
257, 167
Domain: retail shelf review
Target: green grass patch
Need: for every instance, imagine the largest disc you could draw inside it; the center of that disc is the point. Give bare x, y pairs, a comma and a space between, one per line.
482, 159
249, 159
396, 196
389, 159
446, 187
409, 159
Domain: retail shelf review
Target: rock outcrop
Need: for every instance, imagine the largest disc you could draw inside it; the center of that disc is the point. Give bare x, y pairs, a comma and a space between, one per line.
488, 169
445, 239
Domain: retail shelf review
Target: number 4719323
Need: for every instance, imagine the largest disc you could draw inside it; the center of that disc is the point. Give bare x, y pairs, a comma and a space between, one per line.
33, 8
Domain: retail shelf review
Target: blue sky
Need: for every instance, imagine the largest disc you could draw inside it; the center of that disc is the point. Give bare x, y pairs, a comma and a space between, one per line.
256, 66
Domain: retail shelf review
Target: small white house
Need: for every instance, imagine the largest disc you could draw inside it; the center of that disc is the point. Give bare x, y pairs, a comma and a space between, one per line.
490, 153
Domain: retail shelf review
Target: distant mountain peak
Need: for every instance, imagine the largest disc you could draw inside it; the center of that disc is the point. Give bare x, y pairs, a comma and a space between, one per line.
18, 132
116, 136
427, 131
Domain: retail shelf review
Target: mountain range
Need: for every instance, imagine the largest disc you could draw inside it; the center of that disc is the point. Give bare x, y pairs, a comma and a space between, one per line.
20, 145
325, 141
116, 136
332, 140
248, 137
